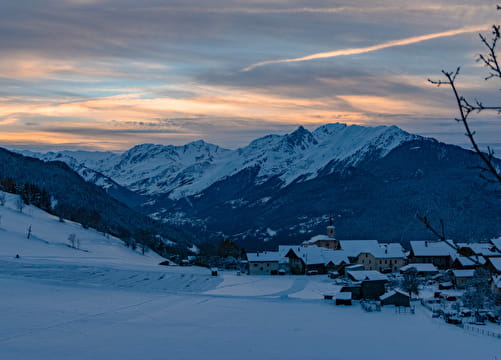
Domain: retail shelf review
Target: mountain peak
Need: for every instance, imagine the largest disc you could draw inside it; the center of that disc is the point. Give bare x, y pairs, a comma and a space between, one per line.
301, 138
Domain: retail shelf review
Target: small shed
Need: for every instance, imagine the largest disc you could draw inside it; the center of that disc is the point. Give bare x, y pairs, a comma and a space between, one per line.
460, 278
355, 291
213, 271
396, 297
372, 283
343, 298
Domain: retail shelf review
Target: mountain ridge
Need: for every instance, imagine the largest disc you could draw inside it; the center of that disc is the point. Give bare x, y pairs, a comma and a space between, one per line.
188, 169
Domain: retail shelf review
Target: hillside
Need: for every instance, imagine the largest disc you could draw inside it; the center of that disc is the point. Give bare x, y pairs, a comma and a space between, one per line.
49, 240
76, 199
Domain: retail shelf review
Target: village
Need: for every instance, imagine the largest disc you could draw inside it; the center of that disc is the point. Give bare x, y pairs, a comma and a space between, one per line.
460, 282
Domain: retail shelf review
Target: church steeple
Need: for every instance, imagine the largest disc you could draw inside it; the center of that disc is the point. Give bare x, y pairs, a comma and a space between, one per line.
331, 229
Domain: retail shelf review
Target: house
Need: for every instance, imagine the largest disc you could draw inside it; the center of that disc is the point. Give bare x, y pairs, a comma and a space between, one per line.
322, 241
478, 249
313, 258
461, 278
421, 269
355, 291
264, 263
327, 241
372, 283
493, 264
438, 253
396, 297
353, 248
343, 298
468, 262
383, 258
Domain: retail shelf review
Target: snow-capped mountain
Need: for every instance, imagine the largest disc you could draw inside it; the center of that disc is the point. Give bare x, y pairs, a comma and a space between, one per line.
187, 170
282, 188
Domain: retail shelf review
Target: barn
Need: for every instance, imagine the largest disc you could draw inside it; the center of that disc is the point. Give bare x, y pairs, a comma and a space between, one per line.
396, 297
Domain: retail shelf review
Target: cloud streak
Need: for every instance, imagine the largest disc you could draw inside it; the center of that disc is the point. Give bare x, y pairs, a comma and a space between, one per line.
362, 50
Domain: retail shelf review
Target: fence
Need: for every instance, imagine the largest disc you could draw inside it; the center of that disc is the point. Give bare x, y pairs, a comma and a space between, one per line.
481, 331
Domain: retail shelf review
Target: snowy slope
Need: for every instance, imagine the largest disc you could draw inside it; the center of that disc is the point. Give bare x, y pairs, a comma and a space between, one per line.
49, 239
189, 169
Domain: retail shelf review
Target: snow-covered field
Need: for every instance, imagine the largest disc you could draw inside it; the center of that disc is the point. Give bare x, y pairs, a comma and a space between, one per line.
109, 302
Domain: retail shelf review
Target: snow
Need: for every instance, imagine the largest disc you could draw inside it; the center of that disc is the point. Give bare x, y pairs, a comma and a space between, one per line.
313, 255
49, 239
497, 243
109, 302
271, 232
485, 249
393, 292
432, 248
496, 263
191, 168
265, 256
355, 247
425, 267
194, 249
468, 273
370, 275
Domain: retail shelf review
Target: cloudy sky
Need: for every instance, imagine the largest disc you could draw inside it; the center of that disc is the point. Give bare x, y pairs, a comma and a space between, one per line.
109, 74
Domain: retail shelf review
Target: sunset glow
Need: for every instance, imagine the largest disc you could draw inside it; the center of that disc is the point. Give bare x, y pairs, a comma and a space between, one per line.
109, 74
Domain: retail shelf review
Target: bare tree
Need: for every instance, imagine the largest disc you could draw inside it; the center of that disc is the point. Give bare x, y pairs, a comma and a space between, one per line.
410, 282
466, 107
488, 170
19, 204
478, 294
72, 238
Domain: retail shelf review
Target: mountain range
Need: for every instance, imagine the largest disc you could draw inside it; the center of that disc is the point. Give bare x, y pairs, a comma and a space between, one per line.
282, 188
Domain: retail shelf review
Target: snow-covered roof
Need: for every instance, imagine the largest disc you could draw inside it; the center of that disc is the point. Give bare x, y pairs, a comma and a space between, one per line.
265, 256
486, 249
316, 238
388, 250
353, 248
463, 273
284, 249
497, 243
367, 275
496, 262
391, 293
433, 248
469, 261
343, 295
313, 255
420, 267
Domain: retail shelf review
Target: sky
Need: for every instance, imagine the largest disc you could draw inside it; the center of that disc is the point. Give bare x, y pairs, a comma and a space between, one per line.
110, 74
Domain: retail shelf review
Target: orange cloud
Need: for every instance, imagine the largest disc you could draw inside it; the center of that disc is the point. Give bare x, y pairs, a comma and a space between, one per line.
130, 112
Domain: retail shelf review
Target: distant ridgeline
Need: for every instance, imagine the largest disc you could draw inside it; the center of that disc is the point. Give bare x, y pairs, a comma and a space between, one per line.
280, 188
54, 187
